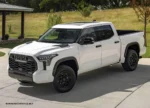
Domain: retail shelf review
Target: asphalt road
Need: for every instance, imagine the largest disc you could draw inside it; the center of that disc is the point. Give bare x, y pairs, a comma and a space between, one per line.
109, 87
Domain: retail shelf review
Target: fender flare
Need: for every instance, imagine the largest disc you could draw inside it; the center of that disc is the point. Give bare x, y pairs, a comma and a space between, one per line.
63, 60
130, 44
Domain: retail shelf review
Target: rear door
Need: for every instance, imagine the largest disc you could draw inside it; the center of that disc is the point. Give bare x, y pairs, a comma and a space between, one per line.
110, 44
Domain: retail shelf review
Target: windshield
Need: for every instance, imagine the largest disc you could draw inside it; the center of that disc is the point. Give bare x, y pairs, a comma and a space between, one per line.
56, 35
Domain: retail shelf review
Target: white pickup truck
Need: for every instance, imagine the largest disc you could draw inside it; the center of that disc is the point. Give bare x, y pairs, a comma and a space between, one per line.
67, 50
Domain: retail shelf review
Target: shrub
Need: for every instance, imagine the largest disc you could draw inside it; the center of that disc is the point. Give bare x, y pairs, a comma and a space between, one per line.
84, 8
9, 29
53, 19
86, 11
51, 10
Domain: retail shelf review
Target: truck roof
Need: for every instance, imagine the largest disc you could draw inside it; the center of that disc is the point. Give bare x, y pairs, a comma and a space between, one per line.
79, 25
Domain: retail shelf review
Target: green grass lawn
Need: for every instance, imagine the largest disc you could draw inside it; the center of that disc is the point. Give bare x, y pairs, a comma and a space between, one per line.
2, 54
35, 23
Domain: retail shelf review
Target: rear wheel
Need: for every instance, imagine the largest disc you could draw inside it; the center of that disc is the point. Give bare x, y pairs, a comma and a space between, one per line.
131, 61
65, 79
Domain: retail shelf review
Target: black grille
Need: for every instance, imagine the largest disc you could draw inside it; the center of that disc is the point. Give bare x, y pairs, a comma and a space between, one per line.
22, 63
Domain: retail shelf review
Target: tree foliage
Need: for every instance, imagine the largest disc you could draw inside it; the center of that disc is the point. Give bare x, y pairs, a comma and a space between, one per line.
142, 10
66, 5
35, 4
84, 8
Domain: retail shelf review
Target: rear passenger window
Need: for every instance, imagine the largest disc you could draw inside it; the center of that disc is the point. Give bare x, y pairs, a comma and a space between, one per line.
103, 32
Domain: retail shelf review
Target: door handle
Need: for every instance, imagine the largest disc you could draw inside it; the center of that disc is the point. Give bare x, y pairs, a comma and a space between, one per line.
116, 42
98, 46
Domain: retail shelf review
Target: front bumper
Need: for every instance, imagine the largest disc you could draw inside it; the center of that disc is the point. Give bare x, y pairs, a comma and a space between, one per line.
38, 77
20, 76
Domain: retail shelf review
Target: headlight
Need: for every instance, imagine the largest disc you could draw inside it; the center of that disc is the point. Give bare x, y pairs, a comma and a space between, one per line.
46, 58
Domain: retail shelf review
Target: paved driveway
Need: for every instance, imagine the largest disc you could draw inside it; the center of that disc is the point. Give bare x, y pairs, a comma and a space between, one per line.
110, 87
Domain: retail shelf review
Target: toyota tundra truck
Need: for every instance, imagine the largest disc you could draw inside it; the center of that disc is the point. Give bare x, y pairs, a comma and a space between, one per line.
67, 50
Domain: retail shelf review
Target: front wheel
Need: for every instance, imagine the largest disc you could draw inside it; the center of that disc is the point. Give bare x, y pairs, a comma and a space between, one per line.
65, 79
131, 61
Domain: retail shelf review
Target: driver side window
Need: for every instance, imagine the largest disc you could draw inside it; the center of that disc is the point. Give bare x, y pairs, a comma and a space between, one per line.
89, 32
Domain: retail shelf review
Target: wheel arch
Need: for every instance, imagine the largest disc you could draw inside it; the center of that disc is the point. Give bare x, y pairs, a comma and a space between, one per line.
70, 61
134, 45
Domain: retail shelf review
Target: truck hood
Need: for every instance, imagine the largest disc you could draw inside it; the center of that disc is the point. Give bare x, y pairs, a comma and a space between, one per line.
35, 48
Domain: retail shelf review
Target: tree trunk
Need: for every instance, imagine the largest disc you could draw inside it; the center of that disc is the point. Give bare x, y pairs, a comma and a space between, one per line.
145, 30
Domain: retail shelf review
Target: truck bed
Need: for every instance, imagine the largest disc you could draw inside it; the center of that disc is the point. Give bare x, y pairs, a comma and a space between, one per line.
125, 32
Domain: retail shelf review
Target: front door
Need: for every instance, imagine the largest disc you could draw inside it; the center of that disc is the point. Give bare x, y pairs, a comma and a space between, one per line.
90, 55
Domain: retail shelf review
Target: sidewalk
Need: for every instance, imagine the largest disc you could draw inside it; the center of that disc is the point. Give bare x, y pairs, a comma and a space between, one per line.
138, 99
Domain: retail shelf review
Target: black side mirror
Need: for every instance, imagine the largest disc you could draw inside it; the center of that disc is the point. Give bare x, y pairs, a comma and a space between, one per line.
88, 40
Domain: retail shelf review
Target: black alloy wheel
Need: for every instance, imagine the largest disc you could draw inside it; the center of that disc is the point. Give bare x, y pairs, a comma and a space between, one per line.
64, 79
131, 61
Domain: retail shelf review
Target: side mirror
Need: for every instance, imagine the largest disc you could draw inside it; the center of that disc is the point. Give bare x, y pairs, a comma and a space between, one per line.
88, 40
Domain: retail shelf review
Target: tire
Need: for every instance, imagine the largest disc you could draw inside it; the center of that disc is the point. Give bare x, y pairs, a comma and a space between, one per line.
64, 79
131, 61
